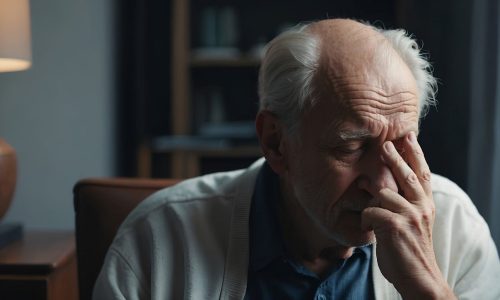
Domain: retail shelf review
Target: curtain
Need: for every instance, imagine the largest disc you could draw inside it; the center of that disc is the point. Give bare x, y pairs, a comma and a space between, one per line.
484, 145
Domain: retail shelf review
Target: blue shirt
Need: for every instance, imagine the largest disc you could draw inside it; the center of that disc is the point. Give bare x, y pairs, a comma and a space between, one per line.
272, 274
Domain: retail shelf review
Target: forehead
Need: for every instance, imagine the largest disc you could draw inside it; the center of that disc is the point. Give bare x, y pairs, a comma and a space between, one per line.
374, 101
363, 84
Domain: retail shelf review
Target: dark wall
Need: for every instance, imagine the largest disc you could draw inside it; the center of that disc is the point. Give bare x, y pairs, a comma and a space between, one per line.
444, 29
143, 77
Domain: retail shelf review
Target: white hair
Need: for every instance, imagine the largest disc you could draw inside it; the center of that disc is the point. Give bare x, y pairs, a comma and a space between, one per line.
286, 74
412, 55
286, 85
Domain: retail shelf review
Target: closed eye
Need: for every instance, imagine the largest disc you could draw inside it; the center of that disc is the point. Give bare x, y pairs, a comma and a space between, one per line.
349, 152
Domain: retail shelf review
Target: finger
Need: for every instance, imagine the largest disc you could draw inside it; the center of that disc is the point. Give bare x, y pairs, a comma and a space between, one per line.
416, 160
406, 178
390, 200
378, 219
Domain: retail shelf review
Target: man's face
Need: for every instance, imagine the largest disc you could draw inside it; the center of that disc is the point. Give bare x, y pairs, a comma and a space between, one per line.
336, 160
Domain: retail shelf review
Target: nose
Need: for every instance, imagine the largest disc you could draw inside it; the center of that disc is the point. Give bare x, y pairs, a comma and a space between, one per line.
376, 175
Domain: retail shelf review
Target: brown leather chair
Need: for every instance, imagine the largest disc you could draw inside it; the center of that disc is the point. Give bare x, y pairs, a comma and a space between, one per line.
101, 205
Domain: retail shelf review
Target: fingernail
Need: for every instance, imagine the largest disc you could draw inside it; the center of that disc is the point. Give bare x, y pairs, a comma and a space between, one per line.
412, 137
389, 147
383, 191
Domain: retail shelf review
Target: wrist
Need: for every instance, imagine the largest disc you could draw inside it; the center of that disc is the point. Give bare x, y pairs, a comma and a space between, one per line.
434, 292
443, 292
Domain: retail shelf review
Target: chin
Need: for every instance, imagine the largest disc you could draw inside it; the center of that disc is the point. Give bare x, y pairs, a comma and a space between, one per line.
356, 239
347, 231
348, 241
352, 236
364, 239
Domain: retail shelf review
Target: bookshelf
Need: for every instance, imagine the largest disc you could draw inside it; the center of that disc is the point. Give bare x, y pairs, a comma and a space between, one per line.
216, 46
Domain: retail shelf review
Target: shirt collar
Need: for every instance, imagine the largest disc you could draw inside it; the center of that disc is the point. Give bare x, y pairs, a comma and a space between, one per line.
364, 250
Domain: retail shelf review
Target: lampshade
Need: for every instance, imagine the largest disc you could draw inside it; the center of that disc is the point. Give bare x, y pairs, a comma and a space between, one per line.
15, 47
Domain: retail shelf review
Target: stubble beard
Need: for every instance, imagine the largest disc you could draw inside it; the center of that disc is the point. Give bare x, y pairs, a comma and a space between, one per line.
304, 196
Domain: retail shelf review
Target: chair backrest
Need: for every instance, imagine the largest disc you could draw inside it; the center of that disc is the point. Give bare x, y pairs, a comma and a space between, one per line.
101, 205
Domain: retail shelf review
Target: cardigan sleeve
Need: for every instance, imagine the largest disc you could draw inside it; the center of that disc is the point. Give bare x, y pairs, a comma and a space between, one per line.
144, 261
118, 280
479, 273
464, 248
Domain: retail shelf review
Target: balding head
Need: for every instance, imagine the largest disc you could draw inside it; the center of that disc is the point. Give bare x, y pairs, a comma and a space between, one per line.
355, 57
346, 46
305, 62
346, 41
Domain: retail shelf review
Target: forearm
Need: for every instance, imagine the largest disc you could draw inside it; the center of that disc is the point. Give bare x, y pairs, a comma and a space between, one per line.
436, 291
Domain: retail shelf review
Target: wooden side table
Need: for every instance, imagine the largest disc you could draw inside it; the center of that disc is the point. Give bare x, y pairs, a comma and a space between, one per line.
42, 265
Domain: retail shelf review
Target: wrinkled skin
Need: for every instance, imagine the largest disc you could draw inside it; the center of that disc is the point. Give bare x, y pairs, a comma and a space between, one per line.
355, 173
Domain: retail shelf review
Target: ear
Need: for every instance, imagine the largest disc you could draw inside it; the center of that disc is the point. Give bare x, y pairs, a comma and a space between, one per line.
272, 140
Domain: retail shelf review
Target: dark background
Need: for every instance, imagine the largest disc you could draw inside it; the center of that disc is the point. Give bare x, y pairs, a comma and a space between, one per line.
441, 27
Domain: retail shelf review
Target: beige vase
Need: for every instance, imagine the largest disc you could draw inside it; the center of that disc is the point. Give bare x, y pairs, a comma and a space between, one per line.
8, 175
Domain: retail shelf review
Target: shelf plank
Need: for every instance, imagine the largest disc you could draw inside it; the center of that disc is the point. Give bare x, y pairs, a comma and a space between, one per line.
236, 151
243, 61
188, 161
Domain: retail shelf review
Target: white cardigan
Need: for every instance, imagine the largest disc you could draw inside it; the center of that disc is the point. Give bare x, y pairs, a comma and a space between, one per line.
190, 241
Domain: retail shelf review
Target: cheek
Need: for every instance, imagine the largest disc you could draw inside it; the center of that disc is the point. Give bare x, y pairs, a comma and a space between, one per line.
340, 183
323, 184
343, 178
318, 180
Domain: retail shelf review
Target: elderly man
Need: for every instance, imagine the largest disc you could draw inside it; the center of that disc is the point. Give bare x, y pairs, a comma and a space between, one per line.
344, 205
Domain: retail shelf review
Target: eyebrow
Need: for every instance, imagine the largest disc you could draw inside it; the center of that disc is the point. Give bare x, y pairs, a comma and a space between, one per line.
349, 135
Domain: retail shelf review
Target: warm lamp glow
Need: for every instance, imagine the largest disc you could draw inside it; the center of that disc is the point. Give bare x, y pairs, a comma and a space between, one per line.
15, 45
10, 64
15, 55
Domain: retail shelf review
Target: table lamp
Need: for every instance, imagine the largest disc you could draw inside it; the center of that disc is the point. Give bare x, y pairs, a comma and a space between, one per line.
15, 55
